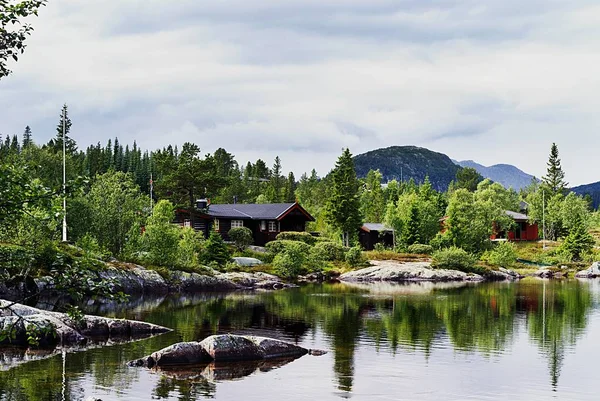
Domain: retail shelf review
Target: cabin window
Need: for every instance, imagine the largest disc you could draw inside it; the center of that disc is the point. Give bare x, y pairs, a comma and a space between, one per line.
237, 223
187, 223
216, 225
263, 225
273, 226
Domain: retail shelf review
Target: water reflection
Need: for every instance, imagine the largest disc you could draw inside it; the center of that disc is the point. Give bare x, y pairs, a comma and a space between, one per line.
485, 319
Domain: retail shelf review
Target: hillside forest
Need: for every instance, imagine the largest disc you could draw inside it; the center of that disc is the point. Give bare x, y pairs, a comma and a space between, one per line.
121, 201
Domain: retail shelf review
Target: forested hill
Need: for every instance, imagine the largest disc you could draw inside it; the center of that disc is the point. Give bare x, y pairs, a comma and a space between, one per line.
592, 189
507, 175
406, 162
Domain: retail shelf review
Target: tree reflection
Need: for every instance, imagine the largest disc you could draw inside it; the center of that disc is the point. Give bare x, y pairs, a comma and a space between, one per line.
483, 318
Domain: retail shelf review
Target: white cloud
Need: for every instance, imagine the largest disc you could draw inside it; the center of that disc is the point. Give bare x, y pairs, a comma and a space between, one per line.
496, 82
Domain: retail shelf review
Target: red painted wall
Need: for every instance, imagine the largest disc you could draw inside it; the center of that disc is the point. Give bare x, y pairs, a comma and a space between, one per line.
531, 234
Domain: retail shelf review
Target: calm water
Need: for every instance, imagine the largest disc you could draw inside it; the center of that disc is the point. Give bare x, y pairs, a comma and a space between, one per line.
526, 341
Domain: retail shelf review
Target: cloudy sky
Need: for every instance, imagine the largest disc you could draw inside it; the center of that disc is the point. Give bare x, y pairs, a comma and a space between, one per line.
496, 81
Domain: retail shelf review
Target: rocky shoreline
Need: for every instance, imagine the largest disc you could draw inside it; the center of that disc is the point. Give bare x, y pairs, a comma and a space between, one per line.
394, 271
133, 279
20, 325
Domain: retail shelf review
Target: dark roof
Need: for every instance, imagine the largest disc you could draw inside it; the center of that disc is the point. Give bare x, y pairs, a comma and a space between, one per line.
254, 211
368, 227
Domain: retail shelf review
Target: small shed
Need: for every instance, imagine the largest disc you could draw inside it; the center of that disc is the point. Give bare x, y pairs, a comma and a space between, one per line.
375, 233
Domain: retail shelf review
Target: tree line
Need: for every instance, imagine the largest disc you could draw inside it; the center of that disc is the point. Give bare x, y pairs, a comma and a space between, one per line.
109, 189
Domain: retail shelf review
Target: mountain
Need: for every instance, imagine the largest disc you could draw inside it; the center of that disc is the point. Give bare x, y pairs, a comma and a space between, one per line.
592, 189
406, 162
505, 174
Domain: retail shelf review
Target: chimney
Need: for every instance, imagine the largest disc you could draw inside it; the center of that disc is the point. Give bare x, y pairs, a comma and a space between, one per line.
201, 204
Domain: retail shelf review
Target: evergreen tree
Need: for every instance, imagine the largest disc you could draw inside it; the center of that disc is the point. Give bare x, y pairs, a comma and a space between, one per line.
412, 227
215, 250
555, 176
290, 188
579, 239
342, 210
467, 178
56, 144
27, 137
15, 147
276, 183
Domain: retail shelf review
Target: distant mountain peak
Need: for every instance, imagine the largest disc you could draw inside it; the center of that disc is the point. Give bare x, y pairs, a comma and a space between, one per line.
506, 174
403, 163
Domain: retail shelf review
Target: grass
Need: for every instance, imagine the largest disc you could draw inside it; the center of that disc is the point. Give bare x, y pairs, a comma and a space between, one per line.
400, 257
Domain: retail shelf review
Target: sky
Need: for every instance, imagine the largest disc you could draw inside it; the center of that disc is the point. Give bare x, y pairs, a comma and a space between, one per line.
495, 81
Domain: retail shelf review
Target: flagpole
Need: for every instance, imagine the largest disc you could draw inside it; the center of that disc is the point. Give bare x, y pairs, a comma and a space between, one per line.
151, 189
543, 219
64, 227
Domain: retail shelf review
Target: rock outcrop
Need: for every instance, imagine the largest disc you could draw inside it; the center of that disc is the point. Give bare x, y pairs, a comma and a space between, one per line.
221, 348
502, 274
389, 270
591, 272
134, 279
25, 324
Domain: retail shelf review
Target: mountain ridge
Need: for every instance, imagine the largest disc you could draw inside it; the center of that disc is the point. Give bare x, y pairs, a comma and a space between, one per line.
506, 174
403, 163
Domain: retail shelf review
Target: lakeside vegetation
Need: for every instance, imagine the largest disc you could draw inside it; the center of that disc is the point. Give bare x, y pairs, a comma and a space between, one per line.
115, 210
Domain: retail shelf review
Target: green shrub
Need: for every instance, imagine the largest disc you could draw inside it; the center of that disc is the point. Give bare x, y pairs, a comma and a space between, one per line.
379, 247
330, 251
453, 258
590, 256
278, 246
354, 256
241, 236
161, 237
290, 262
557, 256
578, 242
440, 241
46, 255
189, 247
504, 254
15, 258
297, 236
215, 250
91, 247
316, 260
420, 249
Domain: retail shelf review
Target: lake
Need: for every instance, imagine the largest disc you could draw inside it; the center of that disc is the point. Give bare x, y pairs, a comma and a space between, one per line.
530, 340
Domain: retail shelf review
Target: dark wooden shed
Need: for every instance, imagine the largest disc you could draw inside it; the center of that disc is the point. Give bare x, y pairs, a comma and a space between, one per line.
375, 233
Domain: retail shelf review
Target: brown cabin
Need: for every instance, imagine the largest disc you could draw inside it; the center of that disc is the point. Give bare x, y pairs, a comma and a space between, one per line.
264, 220
375, 233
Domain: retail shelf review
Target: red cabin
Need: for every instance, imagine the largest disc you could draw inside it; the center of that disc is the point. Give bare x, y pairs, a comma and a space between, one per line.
524, 231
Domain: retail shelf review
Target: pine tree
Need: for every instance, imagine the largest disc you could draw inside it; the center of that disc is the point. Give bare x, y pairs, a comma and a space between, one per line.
215, 249
555, 176
342, 210
276, 183
412, 228
27, 137
579, 239
15, 147
56, 144
290, 188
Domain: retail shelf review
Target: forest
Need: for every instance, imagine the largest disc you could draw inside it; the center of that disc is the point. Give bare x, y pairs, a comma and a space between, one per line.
121, 200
